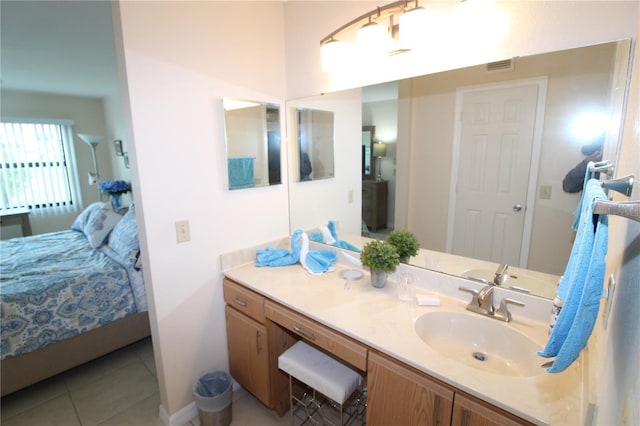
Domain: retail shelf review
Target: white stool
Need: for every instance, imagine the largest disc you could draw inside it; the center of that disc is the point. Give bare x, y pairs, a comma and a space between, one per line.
322, 374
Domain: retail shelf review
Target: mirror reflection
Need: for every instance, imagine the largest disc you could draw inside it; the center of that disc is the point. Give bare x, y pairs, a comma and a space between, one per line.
315, 144
252, 135
513, 127
368, 136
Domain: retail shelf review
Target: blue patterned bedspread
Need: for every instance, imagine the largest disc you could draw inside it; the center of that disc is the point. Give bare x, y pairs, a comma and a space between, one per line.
55, 286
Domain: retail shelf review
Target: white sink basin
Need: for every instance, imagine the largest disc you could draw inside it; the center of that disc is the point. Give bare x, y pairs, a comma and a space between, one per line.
483, 343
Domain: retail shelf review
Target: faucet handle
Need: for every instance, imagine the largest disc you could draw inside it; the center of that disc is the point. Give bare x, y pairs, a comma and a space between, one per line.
474, 292
503, 311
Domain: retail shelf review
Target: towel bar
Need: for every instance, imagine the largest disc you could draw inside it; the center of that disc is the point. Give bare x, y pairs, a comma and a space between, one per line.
623, 185
629, 209
604, 166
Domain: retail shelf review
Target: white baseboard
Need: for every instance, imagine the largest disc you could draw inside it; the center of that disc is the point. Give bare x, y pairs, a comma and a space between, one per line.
181, 417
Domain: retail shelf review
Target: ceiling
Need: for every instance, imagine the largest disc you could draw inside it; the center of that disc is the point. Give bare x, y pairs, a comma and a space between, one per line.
60, 47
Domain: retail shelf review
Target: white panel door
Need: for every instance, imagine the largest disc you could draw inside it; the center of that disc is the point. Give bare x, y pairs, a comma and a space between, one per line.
496, 139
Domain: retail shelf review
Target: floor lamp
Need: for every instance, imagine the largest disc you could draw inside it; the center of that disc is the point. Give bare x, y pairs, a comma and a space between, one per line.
379, 151
93, 141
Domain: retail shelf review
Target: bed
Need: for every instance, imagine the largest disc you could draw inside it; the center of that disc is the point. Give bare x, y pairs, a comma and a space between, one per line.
69, 297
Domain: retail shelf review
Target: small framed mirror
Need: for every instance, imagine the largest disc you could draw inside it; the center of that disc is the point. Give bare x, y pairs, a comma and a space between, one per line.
252, 135
315, 144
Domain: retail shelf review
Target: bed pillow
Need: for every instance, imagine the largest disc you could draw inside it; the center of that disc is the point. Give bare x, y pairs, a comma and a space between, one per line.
124, 238
100, 223
81, 220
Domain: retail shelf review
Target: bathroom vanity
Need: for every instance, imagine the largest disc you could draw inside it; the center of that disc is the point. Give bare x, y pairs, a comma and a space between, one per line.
372, 331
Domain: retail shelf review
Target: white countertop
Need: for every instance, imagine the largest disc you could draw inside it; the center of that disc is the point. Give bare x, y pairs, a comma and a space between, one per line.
377, 318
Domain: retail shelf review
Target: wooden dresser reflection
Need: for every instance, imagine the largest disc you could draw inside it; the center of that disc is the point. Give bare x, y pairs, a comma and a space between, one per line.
374, 203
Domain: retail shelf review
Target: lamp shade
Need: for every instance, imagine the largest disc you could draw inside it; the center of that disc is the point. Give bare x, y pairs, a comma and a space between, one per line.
380, 150
414, 27
332, 55
373, 39
92, 140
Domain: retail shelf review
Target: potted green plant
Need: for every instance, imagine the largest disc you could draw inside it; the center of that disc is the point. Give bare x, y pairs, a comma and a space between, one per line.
405, 243
381, 258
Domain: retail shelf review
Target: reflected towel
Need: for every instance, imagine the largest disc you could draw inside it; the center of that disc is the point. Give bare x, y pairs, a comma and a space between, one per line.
581, 286
328, 235
588, 175
241, 172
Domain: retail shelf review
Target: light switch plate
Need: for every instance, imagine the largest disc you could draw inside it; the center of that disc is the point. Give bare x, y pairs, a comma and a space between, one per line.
545, 192
183, 233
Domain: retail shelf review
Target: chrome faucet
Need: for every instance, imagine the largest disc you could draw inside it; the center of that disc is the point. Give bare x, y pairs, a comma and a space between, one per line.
501, 275
482, 303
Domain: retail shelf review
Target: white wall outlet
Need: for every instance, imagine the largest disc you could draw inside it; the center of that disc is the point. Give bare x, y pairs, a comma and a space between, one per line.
183, 233
350, 196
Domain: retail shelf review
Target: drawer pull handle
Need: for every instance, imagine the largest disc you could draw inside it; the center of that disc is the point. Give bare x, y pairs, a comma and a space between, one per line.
240, 302
258, 348
436, 410
465, 417
304, 333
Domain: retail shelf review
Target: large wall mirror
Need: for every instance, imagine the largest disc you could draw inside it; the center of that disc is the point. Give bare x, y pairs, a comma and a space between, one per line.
252, 136
446, 146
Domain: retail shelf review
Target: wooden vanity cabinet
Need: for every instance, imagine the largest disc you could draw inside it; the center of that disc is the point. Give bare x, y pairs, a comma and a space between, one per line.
398, 395
332, 342
247, 341
468, 411
259, 330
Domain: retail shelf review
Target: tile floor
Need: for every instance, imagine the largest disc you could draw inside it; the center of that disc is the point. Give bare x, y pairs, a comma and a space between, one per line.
118, 389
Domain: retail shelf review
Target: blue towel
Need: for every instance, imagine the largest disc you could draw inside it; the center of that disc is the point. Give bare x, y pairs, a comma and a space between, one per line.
278, 256
241, 172
581, 286
315, 262
318, 237
340, 243
588, 175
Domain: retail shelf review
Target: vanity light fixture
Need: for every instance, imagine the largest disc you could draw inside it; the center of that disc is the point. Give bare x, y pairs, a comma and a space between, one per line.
374, 36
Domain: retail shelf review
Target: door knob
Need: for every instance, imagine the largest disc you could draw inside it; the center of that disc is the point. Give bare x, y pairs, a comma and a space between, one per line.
517, 207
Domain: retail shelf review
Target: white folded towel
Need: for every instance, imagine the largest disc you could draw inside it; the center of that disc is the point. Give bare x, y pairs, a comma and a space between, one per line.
427, 300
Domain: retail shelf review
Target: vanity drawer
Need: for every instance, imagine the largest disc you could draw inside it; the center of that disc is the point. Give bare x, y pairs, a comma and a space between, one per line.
340, 346
244, 300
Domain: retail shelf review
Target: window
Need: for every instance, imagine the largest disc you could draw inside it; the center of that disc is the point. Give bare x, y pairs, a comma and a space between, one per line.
37, 167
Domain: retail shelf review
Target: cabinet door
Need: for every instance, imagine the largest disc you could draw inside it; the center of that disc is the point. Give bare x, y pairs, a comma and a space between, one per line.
472, 412
397, 395
248, 354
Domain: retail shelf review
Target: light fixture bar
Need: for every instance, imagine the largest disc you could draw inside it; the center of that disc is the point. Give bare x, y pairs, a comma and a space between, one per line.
396, 5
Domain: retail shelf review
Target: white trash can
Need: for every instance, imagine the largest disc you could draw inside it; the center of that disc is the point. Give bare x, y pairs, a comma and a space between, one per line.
213, 394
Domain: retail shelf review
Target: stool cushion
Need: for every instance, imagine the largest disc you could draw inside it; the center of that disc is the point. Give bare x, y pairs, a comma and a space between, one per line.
320, 371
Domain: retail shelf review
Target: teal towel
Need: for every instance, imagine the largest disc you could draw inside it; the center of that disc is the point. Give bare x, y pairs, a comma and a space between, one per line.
318, 237
241, 173
581, 286
271, 256
315, 262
